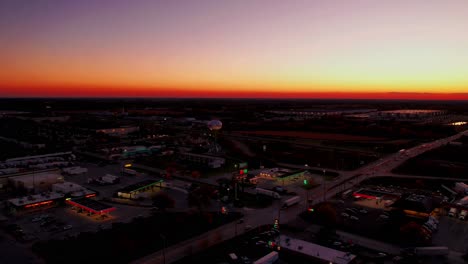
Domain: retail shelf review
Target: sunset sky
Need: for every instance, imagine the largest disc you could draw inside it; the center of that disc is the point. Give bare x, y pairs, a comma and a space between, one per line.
241, 48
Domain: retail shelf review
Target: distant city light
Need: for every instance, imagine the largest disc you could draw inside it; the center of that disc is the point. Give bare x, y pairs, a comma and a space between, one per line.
460, 123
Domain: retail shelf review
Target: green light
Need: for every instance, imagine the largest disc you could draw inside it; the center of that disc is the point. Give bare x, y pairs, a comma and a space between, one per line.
245, 170
305, 182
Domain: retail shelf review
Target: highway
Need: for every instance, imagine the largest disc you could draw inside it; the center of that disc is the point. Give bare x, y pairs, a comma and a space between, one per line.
257, 217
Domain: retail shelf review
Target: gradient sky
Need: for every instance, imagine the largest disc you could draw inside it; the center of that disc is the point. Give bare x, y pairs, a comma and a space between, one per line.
239, 48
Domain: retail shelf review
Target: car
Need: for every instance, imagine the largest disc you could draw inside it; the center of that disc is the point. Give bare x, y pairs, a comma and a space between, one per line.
363, 211
279, 189
337, 243
354, 218
259, 243
248, 227
383, 216
67, 227
382, 255
36, 219
344, 215
245, 260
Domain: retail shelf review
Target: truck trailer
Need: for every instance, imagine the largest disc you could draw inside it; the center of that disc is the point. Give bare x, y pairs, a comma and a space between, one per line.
431, 251
267, 193
291, 201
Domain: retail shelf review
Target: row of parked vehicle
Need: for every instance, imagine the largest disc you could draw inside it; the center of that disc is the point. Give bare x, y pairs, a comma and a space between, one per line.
455, 212
352, 213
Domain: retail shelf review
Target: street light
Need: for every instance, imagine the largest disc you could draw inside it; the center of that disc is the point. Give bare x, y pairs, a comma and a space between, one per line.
164, 247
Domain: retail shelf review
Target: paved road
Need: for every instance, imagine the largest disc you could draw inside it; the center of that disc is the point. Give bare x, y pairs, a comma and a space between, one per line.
257, 217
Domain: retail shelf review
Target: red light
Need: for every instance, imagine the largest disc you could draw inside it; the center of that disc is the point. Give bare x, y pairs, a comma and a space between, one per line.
37, 204
241, 172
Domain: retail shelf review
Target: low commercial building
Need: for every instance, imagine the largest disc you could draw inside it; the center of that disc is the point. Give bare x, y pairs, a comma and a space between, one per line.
203, 159
35, 201
70, 189
91, 206
133, 191
291, 176
317, 253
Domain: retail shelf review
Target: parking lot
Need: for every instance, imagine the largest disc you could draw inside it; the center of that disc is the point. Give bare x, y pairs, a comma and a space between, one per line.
452, 233
66, 220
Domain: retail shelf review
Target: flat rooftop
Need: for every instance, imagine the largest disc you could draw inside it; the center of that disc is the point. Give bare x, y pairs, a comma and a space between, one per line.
316, 251
37, 198
91, 205
137, 186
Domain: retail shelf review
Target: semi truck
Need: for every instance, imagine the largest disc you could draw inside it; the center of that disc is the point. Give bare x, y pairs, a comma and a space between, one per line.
431, 251
267, 193
111, 179
291, 201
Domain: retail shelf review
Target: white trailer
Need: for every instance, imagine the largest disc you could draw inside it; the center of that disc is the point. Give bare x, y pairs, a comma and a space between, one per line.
431, 251
291, 201
268, 258
267, 193
108, 178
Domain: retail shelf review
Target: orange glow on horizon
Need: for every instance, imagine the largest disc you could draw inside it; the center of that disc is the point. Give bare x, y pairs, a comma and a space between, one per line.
174, 92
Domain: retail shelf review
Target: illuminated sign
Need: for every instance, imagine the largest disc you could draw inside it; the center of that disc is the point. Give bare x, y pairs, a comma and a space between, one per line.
38, 204
128, 165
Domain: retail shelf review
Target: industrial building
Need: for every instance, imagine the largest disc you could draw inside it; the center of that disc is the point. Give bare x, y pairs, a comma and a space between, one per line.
409, 114
38, 181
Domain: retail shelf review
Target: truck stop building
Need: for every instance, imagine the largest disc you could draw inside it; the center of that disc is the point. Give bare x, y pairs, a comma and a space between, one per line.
132, 191
91, 206
35, 201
